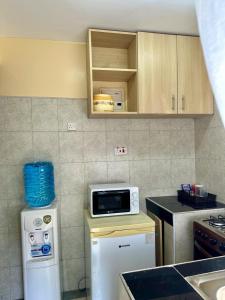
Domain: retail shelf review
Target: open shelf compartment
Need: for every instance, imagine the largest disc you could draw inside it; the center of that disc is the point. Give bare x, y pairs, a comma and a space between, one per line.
113, 49
107, 74
113, 64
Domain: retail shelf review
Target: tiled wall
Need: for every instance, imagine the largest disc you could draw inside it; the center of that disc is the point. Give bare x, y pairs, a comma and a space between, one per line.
210, 154
160, 156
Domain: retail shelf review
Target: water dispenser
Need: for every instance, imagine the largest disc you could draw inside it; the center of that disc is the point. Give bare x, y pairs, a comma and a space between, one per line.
40, 253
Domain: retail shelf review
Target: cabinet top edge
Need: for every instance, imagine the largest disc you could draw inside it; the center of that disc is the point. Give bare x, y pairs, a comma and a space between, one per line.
134, 33
112, 31
169, 33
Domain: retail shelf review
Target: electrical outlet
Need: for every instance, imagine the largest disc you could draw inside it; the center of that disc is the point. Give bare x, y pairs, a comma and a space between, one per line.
71, 127
120, 150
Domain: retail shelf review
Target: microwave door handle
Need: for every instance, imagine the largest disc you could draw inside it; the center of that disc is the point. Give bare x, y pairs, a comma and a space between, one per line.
203, 251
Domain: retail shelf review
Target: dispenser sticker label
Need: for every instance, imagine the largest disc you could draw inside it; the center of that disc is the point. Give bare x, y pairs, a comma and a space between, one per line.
37, 222
47, 219
40, 250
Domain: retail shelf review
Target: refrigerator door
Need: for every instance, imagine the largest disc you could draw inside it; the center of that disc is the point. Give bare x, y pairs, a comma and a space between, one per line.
112, 255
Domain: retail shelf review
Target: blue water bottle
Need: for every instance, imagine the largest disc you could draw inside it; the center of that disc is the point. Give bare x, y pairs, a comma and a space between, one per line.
39, 183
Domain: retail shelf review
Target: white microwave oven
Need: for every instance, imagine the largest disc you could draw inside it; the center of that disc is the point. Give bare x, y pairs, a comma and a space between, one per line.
113, 199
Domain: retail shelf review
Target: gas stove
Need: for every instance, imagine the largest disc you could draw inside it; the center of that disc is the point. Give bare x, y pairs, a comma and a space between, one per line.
215, 224
209, 237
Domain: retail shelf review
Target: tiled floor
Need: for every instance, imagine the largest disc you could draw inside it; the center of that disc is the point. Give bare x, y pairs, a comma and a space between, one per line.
74, 295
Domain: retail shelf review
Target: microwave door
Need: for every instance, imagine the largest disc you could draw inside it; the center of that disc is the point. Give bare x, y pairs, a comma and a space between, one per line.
111, 202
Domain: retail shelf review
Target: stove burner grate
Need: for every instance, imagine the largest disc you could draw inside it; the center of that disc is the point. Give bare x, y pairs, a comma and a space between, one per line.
216, 221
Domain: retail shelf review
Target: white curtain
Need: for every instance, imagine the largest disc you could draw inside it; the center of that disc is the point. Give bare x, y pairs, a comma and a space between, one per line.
211, 23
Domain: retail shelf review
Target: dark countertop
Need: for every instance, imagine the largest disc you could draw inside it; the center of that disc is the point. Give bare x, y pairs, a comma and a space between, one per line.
169, 282
201, 266
171, 204
159, 283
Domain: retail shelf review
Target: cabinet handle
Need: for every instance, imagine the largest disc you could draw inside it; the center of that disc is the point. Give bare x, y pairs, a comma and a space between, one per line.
173, 102
183, 103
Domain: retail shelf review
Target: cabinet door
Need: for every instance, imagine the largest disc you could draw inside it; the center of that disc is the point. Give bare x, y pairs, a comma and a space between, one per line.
194, 91
157, 73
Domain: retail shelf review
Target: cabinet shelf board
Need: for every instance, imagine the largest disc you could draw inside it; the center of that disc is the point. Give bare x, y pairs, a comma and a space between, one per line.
111, 39
112, 74
123, 114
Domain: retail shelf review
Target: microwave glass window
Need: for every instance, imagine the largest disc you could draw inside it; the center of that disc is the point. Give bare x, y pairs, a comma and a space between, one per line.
111, 202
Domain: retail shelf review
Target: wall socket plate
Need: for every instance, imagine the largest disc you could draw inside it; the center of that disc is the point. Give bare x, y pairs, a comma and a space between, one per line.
120, 150
71, 126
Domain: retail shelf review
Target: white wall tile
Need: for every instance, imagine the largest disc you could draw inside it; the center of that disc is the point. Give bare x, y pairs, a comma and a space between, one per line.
95, 172
14, 182
140, 173
4, 283
210, 154
4, 182
94, 124
118, 171
182, 171
216, 143
3, 213
160, 124
160, 144
71, 147
182, 144
14, 208
16, 283
202, 147
2, 113
94, 146
72, 242
4, 246
18, 147
72, 178
15, 251
57, 179
11, 182
139, 145
182, 123
172, 191
117, 124
3, 149
216, 177
45, 146
160, 173
44, 114
18, 114
203, 171
72, 210
70, 111
139, 124
73, 271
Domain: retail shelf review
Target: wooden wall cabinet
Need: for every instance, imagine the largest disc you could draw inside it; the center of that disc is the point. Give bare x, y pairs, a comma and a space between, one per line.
157, 73
112, 62
194, 91
160, 74
172, 77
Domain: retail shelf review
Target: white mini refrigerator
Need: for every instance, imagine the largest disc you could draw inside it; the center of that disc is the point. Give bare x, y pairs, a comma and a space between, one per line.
114, 245
41, 269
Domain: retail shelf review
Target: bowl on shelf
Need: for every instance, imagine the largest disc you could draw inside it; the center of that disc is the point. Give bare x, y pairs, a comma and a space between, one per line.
103, 103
